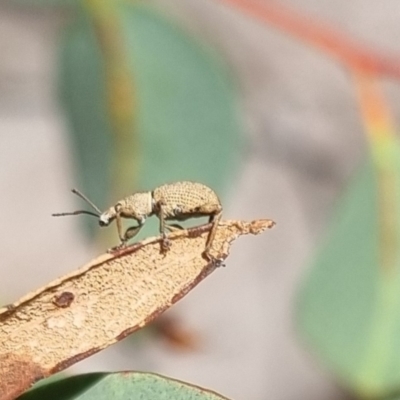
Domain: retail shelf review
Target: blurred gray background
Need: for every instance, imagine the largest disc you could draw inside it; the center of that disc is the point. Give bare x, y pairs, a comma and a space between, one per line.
305, 139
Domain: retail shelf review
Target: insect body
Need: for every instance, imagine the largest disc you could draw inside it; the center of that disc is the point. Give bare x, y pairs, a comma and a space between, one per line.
174, 201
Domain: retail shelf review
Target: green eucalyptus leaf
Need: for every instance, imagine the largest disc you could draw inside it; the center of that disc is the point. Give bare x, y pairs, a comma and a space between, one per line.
63, 388
349, 309
120, 386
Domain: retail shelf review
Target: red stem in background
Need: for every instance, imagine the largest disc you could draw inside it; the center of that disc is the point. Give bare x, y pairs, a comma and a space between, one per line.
348, 51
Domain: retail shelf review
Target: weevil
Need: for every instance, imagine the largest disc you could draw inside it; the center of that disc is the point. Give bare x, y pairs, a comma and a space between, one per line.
177, 201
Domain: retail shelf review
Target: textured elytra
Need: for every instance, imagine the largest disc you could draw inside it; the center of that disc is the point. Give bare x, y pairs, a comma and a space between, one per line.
187, 198
107, 299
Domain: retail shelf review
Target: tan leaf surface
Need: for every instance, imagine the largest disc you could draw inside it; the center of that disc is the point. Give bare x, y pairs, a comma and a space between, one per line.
104, 301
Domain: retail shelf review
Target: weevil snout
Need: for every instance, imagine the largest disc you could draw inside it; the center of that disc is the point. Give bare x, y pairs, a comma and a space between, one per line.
107, 217
103, 223
104, 220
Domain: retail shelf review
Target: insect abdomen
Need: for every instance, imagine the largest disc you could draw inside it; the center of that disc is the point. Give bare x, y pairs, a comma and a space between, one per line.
187, 198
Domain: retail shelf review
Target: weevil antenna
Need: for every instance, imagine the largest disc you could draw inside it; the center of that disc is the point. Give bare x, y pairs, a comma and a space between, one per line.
83, 197
76, 213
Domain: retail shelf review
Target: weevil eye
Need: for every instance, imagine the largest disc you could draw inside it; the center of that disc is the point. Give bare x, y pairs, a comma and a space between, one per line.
104, 220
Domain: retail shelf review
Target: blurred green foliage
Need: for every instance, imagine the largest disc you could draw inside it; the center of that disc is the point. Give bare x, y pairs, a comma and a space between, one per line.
350, 304
62, 388
119, 386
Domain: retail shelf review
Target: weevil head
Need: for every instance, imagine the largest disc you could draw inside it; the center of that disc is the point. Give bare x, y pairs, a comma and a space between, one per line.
107, 216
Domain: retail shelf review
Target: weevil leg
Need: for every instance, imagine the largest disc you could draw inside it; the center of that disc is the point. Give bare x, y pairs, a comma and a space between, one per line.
165, 243
131, 232
119, 228
122, 241
174, 227
122, 238
214, 219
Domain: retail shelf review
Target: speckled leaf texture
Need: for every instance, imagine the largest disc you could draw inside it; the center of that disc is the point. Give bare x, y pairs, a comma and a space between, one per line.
350, 303
186, 124
120, 386
104, 301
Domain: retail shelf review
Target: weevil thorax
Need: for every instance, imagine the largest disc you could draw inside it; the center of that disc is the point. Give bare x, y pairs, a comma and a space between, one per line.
137, 206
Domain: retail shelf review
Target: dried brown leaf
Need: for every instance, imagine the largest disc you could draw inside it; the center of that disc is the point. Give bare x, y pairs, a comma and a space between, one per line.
103, 302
